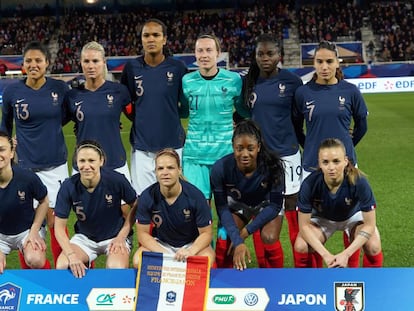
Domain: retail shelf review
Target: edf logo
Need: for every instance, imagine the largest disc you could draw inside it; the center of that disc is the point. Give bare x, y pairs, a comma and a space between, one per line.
367, 85
9, 297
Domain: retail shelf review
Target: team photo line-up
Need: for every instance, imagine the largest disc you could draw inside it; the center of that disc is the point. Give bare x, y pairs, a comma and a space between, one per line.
245, 152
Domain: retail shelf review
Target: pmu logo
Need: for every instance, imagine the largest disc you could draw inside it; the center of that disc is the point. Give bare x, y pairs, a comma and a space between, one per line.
349, 296
105, 300
9, 297
224, 299
251, 299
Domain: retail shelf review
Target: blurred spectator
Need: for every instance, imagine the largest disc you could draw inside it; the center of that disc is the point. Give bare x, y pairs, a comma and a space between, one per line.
3, 69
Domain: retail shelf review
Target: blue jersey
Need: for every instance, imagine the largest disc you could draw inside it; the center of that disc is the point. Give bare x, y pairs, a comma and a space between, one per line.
155, 92
99, 214
16, 201
230, 187
328, 111
176, 224
97, 114
211, 105
38, 116
271, 103
315, 197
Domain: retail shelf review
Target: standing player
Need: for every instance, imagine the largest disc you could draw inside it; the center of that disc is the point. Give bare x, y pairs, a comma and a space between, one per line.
96, 107
36, 106
154, 83
269, 92
337, 198
180, 214
21, 224
211, 94
329, 104
95, 195
249, 183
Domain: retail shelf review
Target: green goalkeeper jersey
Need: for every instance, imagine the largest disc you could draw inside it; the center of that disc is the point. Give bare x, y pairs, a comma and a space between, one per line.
211, 104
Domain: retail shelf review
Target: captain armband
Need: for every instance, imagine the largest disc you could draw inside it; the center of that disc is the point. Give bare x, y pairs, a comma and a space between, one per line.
364, 234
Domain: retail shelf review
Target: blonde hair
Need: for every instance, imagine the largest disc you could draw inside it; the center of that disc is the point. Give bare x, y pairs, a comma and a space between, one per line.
95, 46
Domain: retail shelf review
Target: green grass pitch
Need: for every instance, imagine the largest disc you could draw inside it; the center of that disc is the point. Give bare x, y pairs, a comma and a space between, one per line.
384, 154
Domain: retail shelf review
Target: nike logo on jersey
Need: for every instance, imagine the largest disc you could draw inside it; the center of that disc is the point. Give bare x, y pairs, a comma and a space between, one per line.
78, 103
137, 77
19, 101
309, 103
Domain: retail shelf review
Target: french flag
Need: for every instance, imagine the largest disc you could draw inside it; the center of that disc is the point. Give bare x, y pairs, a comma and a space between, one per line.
166, 284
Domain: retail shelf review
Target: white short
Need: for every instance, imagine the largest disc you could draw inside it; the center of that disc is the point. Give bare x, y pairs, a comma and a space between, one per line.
52, 179
306, 174
143, 168
172, 249
329, 227
94, 249
293, 173
9, 243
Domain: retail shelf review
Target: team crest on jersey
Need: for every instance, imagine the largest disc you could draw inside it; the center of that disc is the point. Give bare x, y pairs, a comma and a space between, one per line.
282, 89
187, 215
252, 99
341, 101
55, 98
22, 195
170, 78
108, 198
110, 100
349, 296
348, 201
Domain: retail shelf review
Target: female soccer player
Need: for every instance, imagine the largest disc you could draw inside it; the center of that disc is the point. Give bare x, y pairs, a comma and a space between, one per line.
96, 108
36, 106
211, 95
329, 105
154, 84
248, 187
269, 91
21, 224
179, 212
337, 197
95, 195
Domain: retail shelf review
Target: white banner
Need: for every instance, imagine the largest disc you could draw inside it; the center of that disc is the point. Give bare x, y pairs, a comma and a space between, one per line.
237, 299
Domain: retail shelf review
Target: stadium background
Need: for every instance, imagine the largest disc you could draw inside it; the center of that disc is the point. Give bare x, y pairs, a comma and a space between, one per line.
385, 154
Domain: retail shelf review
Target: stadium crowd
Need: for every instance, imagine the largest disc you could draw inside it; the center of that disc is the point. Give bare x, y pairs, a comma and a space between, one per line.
236, 27
330, 20
252, 180
393, 23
